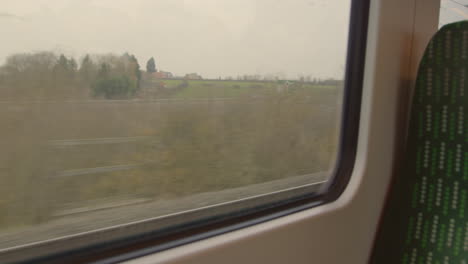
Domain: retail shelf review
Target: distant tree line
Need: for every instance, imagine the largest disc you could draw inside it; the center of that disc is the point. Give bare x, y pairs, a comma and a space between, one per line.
46, 75
282, 77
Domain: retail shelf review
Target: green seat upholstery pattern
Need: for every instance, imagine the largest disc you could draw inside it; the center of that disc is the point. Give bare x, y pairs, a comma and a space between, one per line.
425, 219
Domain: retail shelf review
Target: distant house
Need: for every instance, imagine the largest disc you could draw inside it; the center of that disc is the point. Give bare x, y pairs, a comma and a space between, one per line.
162, 75
192, 76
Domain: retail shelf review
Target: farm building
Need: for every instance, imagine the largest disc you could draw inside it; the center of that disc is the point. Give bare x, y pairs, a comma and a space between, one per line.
192, 76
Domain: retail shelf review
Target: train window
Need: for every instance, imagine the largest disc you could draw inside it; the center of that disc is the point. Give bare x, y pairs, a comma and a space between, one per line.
452, 11
128, 119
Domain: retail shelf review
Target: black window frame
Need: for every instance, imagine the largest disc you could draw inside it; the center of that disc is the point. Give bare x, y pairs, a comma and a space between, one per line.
152, 240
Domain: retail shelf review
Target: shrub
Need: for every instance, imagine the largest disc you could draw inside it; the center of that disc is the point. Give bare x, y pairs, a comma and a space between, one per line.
118, 87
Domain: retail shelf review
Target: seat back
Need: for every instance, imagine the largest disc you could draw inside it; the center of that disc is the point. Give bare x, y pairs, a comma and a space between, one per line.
425, 220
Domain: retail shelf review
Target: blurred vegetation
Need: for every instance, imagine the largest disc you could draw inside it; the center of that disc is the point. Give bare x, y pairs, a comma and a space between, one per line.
269, 130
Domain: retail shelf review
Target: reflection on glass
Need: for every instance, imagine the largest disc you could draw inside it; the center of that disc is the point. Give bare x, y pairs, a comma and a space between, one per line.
452, 11
116, 111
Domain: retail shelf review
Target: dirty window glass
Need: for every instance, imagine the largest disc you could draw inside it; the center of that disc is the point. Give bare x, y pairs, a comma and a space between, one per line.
113, 112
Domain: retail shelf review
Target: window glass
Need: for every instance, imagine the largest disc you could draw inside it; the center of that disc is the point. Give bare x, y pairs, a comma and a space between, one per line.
117, 111
452, 11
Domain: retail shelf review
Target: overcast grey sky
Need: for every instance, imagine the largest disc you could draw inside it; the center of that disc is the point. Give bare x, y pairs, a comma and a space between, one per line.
210, 37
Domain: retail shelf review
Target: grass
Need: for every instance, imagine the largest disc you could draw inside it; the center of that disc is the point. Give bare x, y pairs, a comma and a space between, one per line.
171, 88
194, 147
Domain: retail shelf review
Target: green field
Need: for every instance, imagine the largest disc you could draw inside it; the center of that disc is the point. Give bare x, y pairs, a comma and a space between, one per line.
271, 131
173, 88
73, 138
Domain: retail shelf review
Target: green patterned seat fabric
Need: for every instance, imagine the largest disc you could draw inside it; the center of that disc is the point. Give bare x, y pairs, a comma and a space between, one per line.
425, 220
